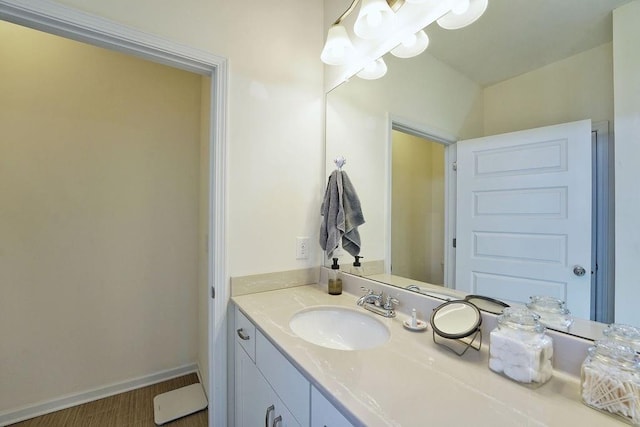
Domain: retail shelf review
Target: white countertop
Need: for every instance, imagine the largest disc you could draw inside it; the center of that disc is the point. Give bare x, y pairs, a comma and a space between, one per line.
410, 381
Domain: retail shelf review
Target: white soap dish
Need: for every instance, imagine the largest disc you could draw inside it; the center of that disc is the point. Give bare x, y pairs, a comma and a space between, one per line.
421, 325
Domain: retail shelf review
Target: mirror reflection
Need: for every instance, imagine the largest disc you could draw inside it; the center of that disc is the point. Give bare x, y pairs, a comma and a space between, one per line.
417, 208
399, 133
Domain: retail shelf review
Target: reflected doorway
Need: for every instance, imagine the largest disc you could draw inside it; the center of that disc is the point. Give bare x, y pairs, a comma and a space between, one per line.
417, 208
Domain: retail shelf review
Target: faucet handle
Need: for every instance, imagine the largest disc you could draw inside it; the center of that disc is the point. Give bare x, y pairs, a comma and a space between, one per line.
366, 290
390, 302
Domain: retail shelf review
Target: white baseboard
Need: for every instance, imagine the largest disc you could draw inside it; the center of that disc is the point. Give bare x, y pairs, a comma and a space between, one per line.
69, 400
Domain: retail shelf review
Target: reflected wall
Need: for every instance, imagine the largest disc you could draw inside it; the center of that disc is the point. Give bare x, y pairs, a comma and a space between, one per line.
420, 92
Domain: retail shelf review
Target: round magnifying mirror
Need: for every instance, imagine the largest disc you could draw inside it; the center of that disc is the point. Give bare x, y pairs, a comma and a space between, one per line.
456, 319
487, 304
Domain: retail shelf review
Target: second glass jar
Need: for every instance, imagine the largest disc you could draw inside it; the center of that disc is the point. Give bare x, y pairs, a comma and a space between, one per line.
610, 380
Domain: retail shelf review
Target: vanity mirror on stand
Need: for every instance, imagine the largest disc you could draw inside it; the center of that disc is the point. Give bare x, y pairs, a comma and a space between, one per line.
430, 227
455, 326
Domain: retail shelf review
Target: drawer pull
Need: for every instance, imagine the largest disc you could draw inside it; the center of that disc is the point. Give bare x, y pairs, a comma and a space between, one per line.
277, 420
242, 334
270, 409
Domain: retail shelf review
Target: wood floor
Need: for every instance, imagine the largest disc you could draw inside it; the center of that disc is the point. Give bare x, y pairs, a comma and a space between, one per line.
131, 409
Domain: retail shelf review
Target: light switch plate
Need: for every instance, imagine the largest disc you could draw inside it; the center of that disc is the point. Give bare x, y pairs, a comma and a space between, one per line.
302, 248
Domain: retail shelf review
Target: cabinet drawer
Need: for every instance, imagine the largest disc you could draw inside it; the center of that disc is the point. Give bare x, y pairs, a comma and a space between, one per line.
289, 384
245, 334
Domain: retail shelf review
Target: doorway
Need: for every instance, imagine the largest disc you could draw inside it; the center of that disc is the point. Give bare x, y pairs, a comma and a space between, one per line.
417, 208
65, 21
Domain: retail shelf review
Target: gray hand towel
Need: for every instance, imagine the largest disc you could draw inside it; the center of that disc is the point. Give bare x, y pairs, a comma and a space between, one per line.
353, 217
331, 207
341, 215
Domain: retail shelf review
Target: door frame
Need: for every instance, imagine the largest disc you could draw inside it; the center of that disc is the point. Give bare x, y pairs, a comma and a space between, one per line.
73, 24
603, 257
421, 130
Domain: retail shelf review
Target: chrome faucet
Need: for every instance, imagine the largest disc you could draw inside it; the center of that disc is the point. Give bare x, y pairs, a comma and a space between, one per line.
369, 298
373, 302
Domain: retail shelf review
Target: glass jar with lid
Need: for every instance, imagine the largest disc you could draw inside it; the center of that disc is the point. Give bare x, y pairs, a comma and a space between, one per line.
553, 312
519, 347
610, 380
625, 334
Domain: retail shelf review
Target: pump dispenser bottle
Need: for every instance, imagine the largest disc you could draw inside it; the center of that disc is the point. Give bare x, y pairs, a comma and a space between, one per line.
357, 267
335, 282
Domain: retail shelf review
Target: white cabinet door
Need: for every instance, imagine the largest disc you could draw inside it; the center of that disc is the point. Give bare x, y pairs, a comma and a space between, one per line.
290, 385
324, 414
524, 215
256, 403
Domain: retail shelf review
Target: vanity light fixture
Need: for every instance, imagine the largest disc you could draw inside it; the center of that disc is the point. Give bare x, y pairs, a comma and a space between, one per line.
395, 26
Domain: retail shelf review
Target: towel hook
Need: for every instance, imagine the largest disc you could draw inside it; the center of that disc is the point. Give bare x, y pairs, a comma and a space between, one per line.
340, 161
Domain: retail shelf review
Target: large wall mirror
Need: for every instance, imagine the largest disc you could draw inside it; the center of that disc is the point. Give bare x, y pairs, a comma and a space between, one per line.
523, 65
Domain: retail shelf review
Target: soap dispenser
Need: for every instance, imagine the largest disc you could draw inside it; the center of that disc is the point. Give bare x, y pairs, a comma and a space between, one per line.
335, 282
357, 267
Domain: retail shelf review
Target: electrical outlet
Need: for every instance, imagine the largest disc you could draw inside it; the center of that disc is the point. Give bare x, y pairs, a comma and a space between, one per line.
302, 248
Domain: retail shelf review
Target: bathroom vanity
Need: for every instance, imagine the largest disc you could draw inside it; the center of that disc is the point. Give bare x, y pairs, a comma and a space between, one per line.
284, 380
270, 390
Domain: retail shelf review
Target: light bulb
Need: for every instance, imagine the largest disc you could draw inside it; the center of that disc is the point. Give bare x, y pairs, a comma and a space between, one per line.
337, 51
460, 7
409, 41
374, 18
373, 70
457, 18
412, 45
370, 67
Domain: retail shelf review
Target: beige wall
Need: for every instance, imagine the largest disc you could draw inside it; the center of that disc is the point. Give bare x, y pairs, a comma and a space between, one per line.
417, 208
99, 172
626, 34
579, 87
274, 135
275, 127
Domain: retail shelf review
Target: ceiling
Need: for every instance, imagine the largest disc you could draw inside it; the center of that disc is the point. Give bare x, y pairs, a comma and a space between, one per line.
516, 36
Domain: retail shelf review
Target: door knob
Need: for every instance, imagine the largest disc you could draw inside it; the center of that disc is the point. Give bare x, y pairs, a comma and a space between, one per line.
579, 271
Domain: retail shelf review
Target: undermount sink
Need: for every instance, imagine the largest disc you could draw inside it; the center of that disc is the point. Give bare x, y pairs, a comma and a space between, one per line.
339, 328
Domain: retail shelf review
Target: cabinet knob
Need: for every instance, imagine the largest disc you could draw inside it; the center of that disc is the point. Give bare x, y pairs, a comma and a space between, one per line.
243, 335
277, 420
267, 414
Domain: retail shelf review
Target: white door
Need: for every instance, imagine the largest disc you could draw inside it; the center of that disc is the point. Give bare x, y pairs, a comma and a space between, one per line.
524, 215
